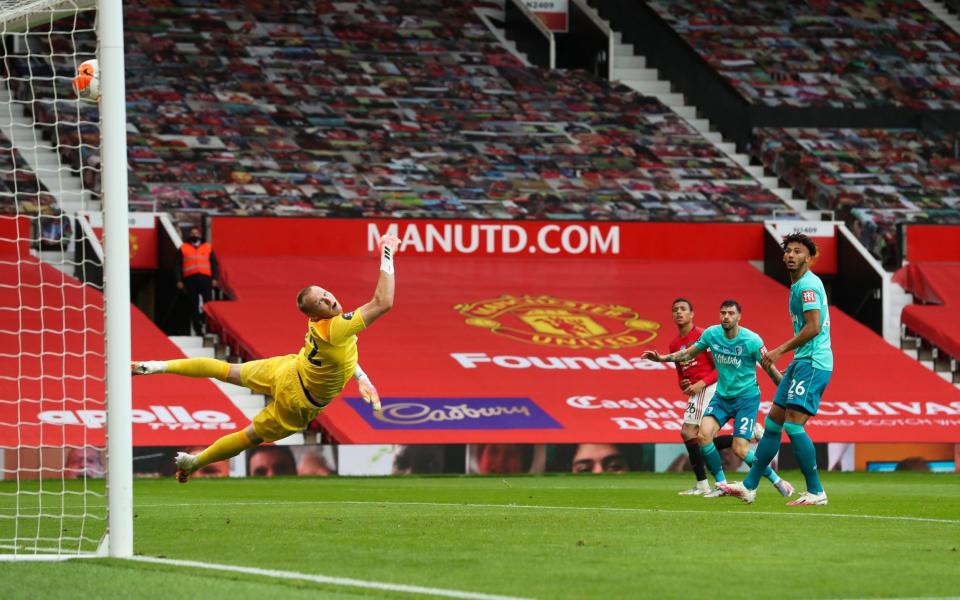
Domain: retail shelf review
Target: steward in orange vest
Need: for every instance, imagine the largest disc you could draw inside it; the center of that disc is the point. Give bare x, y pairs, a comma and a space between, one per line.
197, 273
195, 260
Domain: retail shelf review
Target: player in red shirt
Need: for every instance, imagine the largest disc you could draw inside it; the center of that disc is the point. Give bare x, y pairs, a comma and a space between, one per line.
698, 379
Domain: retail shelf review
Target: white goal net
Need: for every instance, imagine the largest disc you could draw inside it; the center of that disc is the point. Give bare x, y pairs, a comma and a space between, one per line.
53, 498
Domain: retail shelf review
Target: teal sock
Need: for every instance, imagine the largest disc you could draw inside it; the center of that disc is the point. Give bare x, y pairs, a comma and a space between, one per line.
767, 448
806, 456
712, 459
769, 473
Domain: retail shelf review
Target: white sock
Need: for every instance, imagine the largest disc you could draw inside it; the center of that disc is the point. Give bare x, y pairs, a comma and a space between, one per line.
703, 485
157, 366
185, 460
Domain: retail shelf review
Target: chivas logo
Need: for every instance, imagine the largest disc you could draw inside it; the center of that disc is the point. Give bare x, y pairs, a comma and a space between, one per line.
549, 321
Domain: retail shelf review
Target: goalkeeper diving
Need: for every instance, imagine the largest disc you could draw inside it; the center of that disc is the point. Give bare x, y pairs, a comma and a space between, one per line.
301, 385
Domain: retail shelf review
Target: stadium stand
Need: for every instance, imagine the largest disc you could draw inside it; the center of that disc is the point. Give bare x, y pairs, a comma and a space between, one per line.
839, 54
872, 178
819, 70
390, 109
414, 111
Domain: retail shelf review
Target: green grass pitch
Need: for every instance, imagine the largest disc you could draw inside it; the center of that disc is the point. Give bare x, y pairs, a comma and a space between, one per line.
627, 536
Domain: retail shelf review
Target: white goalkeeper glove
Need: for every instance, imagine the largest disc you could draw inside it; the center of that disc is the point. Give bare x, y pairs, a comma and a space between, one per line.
388, 247
367, 389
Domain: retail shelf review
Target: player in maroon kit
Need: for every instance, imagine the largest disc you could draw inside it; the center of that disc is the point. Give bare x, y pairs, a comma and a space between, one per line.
698, 380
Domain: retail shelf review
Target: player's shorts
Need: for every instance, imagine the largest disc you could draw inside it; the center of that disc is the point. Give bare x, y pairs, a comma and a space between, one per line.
742, 409
697, 404
802, 386
290, 411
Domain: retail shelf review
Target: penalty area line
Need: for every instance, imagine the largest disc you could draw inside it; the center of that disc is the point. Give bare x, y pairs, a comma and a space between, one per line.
622, 509
326, 579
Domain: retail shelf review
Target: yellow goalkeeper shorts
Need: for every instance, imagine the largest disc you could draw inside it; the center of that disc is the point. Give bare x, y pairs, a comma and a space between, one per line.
290, 411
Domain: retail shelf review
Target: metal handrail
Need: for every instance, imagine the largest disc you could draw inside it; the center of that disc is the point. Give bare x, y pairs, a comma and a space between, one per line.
170, 228
84, 224
525, 11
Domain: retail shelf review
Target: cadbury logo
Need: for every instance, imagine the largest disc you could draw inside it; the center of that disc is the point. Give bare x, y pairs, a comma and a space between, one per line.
413, 413
455, 413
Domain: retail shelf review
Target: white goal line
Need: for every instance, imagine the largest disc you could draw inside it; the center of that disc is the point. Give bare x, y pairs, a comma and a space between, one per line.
326, 579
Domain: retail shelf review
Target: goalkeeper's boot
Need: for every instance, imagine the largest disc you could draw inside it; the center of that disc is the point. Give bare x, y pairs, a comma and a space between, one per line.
186, 464
148, 367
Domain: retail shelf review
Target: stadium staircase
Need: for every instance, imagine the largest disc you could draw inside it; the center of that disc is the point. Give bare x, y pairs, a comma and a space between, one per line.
934, 354
898, 298
631, 69
42, 158
914, 346
930, 356
494, 19
940, 10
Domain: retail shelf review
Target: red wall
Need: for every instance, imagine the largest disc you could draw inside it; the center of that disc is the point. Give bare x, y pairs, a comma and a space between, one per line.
939, 243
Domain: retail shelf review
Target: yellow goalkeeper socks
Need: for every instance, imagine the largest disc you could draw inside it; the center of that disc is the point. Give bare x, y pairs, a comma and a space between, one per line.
228, 446
198, 367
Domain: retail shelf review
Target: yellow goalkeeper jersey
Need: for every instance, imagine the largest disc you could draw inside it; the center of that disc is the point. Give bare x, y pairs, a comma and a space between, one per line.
329, 355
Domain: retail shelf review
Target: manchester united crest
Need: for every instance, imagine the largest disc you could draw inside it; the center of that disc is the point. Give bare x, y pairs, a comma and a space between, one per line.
549, 321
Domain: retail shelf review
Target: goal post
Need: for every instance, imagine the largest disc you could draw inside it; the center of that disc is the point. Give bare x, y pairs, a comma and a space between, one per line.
116, 280
64, 348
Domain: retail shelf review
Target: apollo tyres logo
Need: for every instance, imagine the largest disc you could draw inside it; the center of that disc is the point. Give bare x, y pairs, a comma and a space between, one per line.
157, 417
557, 323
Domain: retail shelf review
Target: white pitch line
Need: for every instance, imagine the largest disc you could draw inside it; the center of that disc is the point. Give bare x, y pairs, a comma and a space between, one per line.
572, 508
341, 581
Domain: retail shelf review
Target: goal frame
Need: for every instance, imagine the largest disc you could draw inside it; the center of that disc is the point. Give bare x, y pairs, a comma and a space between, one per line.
20, 15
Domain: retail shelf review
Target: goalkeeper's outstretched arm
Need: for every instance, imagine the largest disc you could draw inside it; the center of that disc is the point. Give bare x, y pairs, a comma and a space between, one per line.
383, 296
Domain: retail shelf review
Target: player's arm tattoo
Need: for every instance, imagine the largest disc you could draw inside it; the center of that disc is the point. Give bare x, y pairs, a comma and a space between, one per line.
682, 355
